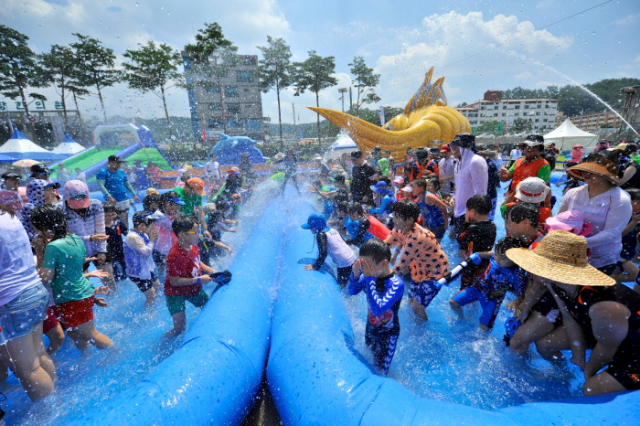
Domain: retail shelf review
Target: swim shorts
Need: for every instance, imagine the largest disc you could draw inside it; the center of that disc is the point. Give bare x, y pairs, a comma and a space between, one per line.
159, 258
144, 285
423, 292
75, 312
490, 307
19, 316
176, 304
51, 321
119, 273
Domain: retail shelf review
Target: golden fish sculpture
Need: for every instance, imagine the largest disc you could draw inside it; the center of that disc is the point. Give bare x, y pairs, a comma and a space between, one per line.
426, 118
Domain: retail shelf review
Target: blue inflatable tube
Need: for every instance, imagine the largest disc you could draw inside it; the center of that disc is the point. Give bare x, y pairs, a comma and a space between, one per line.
215, 375
317, 377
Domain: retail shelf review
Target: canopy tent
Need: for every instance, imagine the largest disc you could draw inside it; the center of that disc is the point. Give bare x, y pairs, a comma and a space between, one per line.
567, 135
18, 147
343, 145
68, 146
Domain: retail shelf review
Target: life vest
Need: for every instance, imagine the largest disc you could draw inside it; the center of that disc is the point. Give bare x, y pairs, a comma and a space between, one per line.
430, 166
523, 170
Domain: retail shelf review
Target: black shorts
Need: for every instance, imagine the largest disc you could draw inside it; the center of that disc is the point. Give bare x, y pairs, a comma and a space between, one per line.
159, 258
119, 270
625, 368
343, 276
144, 285
459, 225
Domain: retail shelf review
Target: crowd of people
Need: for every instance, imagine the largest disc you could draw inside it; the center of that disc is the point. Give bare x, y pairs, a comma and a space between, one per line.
53, 244
561, 275
381, 224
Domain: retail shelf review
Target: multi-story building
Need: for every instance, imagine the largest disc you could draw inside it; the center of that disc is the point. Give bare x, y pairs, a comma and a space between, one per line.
230, 104
591, 122
541, 112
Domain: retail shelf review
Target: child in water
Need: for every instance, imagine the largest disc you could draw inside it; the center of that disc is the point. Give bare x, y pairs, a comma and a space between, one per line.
384, 290
330, 243
501, 275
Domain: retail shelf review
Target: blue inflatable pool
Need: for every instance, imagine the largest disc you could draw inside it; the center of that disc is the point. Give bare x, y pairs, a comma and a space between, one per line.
316, 371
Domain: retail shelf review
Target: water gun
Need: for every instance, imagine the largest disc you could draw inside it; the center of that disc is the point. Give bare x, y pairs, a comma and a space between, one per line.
474, 259
377, 228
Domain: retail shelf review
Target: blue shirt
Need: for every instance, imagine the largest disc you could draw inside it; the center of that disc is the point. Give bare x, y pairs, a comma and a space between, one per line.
141, 177
114, 182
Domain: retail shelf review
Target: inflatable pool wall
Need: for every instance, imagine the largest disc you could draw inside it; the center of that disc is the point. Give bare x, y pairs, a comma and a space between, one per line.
317, 377
215, 375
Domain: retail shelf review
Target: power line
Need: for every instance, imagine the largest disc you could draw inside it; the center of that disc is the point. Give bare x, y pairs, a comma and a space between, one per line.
524, 35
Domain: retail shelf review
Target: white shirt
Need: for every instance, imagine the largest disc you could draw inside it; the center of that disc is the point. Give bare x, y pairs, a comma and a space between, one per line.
608, 214
17, 265
212, 170
472, 178
515, 154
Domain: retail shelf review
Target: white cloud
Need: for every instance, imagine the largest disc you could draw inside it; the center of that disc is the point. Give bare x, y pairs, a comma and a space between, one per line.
467, 47
629, 19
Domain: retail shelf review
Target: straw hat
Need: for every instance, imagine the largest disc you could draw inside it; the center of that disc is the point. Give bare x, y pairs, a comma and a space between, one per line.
561, 256
598, 165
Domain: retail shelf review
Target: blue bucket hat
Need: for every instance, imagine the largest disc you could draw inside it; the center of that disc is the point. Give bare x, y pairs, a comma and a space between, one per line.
381, 188
317, 222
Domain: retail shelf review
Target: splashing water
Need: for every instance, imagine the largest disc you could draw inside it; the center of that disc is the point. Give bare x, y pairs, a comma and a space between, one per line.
550, 68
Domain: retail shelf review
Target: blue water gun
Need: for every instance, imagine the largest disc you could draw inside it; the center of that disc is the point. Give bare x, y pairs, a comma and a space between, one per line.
472, 260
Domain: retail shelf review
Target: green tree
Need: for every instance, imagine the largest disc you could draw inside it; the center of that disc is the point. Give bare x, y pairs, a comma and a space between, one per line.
208, 40
314, 74
273, 71
19, 70
520, 125
152, 68
95, 66
365, 82
60, 64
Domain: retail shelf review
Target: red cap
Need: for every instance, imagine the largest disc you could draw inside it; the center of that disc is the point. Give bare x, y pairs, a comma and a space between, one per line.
445, 148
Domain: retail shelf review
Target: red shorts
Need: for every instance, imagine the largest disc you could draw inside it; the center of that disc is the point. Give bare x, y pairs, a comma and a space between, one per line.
50, 322
74, 313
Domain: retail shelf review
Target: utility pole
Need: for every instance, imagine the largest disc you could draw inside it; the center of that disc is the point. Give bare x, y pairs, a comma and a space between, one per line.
342, 91
350, 99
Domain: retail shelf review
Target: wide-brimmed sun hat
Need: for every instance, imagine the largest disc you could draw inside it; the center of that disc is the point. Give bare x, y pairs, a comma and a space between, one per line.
578, 146
381, 188
596, 164
561, 256
532, 190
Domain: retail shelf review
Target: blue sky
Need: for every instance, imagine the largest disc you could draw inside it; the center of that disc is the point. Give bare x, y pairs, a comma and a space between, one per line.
400, 39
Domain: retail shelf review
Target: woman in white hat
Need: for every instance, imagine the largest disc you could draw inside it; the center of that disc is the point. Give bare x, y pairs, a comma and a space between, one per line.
597, 313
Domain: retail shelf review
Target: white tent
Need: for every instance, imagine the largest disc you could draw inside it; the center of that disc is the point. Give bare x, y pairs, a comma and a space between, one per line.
567, 135
18, 147
68, 146
343, 145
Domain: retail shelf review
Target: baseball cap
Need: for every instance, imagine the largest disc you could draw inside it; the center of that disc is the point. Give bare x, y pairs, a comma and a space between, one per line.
54, 185
197, 184
464, 140
534, 140
178, 201
145, 217
532, 190
76, 194
39, 169
116, 159
11, 175
445, 148
569, 220
233, 172
399, 180
407, 188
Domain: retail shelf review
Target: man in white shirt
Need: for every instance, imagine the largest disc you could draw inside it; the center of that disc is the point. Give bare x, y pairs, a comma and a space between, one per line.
80, 175
212, 172
446, 166
515, 154
62, 175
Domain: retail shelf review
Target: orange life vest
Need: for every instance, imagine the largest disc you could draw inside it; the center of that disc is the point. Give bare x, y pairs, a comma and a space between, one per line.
523, 170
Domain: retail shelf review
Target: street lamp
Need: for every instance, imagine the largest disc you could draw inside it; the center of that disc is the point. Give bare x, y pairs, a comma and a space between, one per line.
342, 91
